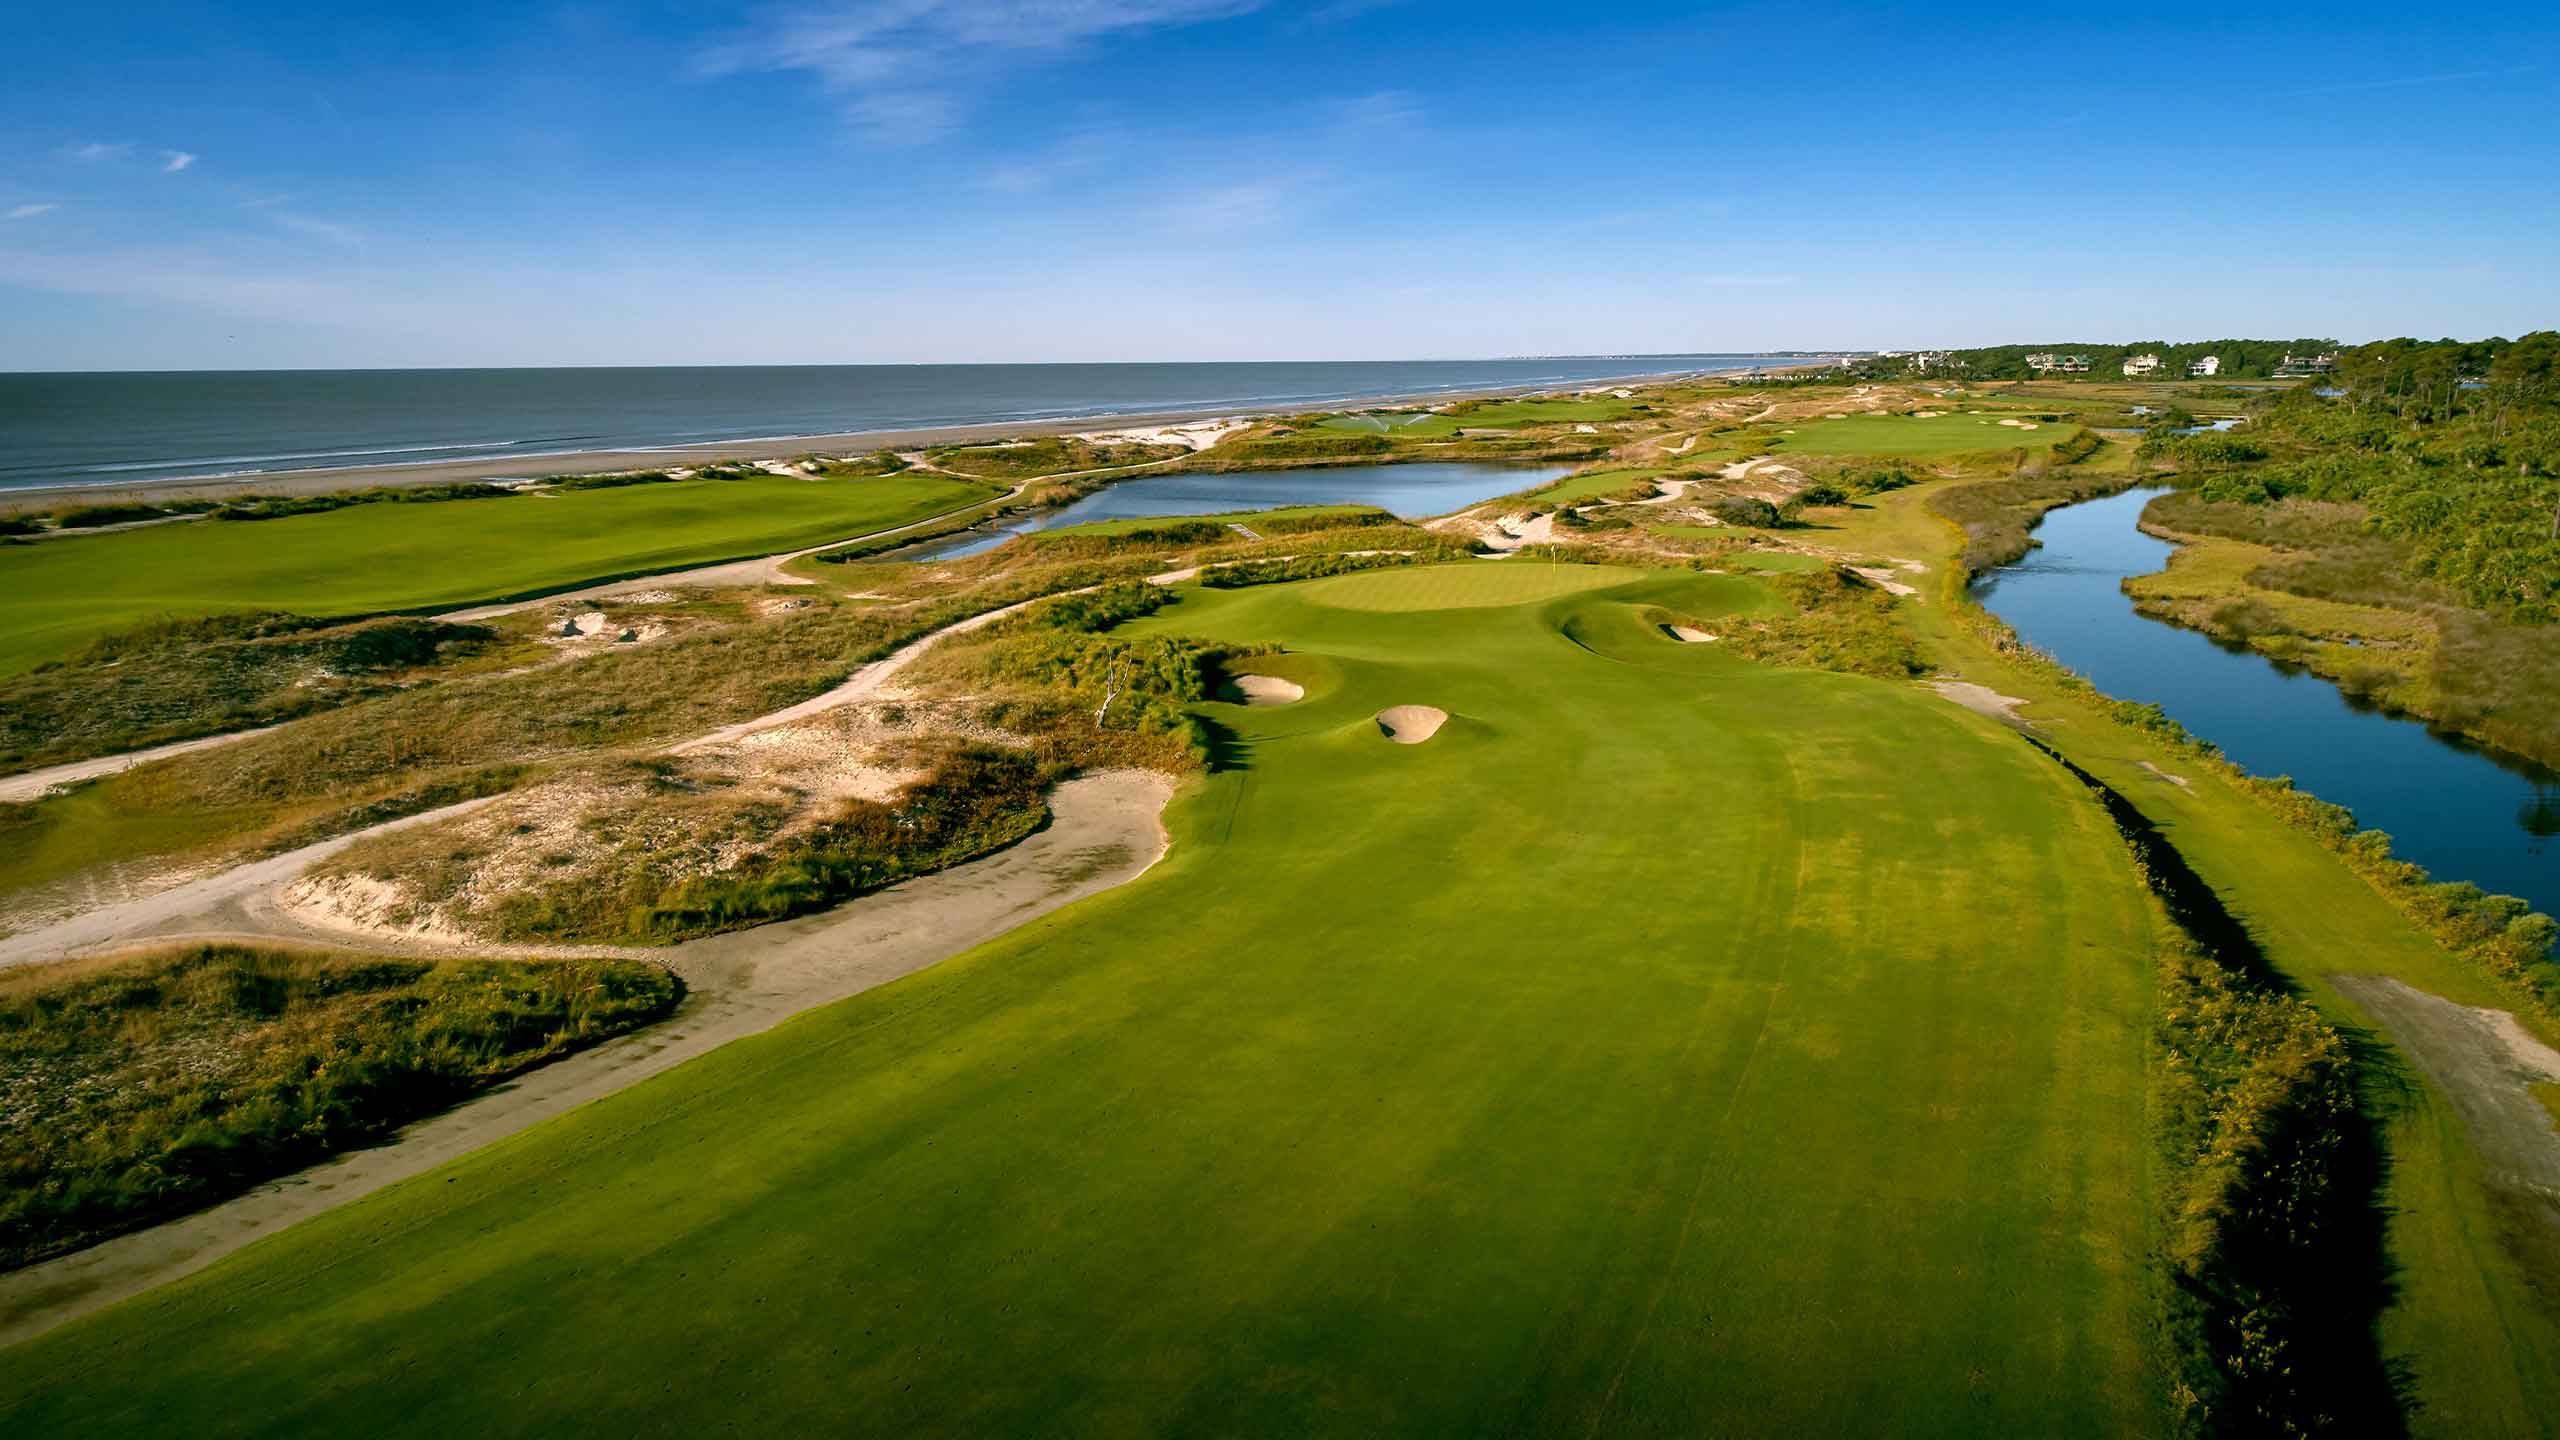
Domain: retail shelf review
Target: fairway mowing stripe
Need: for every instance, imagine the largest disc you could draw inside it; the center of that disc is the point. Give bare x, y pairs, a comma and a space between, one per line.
1689, 1215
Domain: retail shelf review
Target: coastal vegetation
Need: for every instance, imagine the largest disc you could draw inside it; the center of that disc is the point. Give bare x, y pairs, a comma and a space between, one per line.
1895, 982
1326, 1099
148, 1084
178, 679
2400, 536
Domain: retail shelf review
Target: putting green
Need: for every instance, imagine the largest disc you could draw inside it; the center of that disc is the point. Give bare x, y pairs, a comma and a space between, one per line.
1482, 584
1670, 1046
1886, 435
56, 595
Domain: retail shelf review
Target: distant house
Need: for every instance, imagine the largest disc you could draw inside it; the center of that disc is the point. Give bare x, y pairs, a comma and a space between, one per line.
2299, 365
2047, 362
1927, 360
2142, 365
2206, 365
2040, 363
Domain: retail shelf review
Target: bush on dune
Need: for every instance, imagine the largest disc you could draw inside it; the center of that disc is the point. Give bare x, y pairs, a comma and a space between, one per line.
146, 1086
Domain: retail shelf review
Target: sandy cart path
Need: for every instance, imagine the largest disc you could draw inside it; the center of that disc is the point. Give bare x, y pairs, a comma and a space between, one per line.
1105, 830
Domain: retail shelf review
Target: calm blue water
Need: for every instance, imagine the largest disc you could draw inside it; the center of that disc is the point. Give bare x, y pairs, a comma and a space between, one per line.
2464, 813
1401, 489
104, 429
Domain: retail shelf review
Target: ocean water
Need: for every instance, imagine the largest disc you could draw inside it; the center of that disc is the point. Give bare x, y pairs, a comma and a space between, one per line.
123, 428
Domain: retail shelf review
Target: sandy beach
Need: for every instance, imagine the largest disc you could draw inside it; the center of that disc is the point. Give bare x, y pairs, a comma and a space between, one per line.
598, 462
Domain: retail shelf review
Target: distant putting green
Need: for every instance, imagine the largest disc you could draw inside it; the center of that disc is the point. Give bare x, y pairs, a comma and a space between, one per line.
1668, 1046
1951, 434
1493, 415
1458, 587
56, 595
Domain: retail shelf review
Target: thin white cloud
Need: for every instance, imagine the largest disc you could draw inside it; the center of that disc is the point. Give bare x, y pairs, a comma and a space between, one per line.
173, 161
1378, 110
1341, 10
29, 212
904, 117
2400, 81
328, 230
1229, 209
1076, 155
908, 64
93, 151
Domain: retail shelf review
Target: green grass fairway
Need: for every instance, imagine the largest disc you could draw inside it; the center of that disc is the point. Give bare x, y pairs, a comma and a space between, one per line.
1888, 435
55, 595
1672, 1046
1494, 415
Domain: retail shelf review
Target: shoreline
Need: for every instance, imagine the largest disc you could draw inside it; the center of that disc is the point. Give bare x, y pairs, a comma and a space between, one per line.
600, 462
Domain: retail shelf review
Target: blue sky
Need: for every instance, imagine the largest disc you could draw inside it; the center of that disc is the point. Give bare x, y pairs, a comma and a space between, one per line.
214, 184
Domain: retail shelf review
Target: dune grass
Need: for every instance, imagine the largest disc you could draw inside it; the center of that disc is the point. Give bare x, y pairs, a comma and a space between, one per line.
1672, 1045
147, 1085
57, 595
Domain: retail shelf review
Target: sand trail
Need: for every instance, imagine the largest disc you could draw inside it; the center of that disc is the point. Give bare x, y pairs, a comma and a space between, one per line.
1105, 830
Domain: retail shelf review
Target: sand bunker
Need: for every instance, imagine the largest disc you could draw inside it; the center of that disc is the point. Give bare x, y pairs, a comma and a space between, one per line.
1261, 690
1687, 634
1882, 578
1981, 700
1411, 724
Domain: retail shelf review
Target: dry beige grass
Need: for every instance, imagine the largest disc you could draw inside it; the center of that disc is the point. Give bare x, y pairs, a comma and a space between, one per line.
706, 811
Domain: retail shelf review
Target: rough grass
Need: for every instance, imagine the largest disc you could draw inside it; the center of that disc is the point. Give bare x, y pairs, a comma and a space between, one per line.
180, 679
413, 750
1831, 620
56, 595
141, 1087
678, 854
1053, 456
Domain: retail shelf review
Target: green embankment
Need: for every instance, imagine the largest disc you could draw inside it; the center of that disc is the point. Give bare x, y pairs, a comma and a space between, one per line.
2480, 1349
56, 595
1672, 1045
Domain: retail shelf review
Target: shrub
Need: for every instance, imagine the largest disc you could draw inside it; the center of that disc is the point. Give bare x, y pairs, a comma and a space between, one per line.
87, 517
158, 1083
1748, 510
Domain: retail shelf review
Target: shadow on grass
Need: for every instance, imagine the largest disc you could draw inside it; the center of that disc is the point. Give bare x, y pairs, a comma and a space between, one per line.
2306, 1269
1227, 749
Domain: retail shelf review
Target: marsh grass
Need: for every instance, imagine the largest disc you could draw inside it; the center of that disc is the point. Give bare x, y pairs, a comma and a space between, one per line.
140, 1087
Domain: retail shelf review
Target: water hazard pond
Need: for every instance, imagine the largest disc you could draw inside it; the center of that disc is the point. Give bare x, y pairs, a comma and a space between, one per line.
1407, 490
2462, 812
